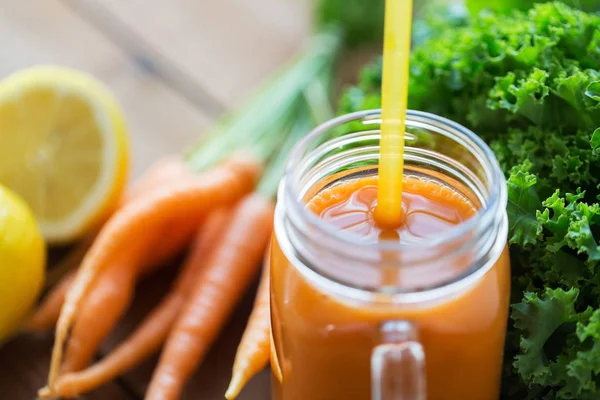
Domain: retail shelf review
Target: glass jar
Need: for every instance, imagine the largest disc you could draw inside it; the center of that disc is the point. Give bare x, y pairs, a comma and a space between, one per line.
342, 329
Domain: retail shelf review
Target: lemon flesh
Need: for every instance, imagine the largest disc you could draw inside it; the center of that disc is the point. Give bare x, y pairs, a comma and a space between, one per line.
22, 261
63, 148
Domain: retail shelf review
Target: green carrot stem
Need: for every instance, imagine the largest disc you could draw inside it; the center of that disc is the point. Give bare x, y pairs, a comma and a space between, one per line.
260, 124
270, 181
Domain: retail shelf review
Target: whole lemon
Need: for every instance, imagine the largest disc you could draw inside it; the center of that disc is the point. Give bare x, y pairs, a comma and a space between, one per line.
22, 261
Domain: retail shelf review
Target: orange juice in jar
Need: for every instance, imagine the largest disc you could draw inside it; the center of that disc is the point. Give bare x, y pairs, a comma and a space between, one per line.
414, 313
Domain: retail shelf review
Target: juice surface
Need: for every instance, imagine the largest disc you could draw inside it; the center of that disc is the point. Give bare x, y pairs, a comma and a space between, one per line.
428, 208
323, 343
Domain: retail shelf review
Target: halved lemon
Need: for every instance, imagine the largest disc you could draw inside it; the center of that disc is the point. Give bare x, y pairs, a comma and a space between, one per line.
63, 148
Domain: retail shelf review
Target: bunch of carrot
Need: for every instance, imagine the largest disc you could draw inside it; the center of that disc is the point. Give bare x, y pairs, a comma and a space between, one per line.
210, 200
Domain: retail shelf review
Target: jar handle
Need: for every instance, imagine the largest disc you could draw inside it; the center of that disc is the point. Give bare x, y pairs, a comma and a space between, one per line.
398, 364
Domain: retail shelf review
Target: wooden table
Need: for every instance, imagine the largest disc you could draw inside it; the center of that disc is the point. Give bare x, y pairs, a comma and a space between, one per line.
174, 66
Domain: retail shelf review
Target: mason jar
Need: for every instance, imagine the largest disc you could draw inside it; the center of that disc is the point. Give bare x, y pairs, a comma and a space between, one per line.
356, 319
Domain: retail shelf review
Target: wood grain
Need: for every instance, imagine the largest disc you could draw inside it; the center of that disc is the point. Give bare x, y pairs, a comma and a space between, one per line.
24, 368
227, 46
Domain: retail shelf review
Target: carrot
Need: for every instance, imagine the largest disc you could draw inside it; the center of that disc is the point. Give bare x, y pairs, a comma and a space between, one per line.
221, 185
159, 173
181, 230
46, 314
107, 301
110, 297
169, 167
170, 241
274, 361
100, 311
254, 350
147, 338
257, 346
214, 296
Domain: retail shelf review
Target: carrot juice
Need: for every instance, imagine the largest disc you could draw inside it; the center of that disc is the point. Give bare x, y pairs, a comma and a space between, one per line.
416, 312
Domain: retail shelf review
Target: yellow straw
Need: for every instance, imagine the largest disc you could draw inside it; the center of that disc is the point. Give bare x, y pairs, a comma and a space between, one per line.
394, 93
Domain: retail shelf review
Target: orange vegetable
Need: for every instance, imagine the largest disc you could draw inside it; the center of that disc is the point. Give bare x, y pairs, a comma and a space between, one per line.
159, 173
46, 314
165, 247
214, 296
179, 230
101, 309
169, 167
149, 336
111, 295
254, 350
130, 226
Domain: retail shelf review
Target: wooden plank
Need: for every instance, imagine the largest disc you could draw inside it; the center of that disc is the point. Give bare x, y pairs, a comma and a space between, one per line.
24, 368
227, 46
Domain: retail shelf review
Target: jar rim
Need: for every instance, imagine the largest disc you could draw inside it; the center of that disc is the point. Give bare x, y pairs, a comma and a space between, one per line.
486, 214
